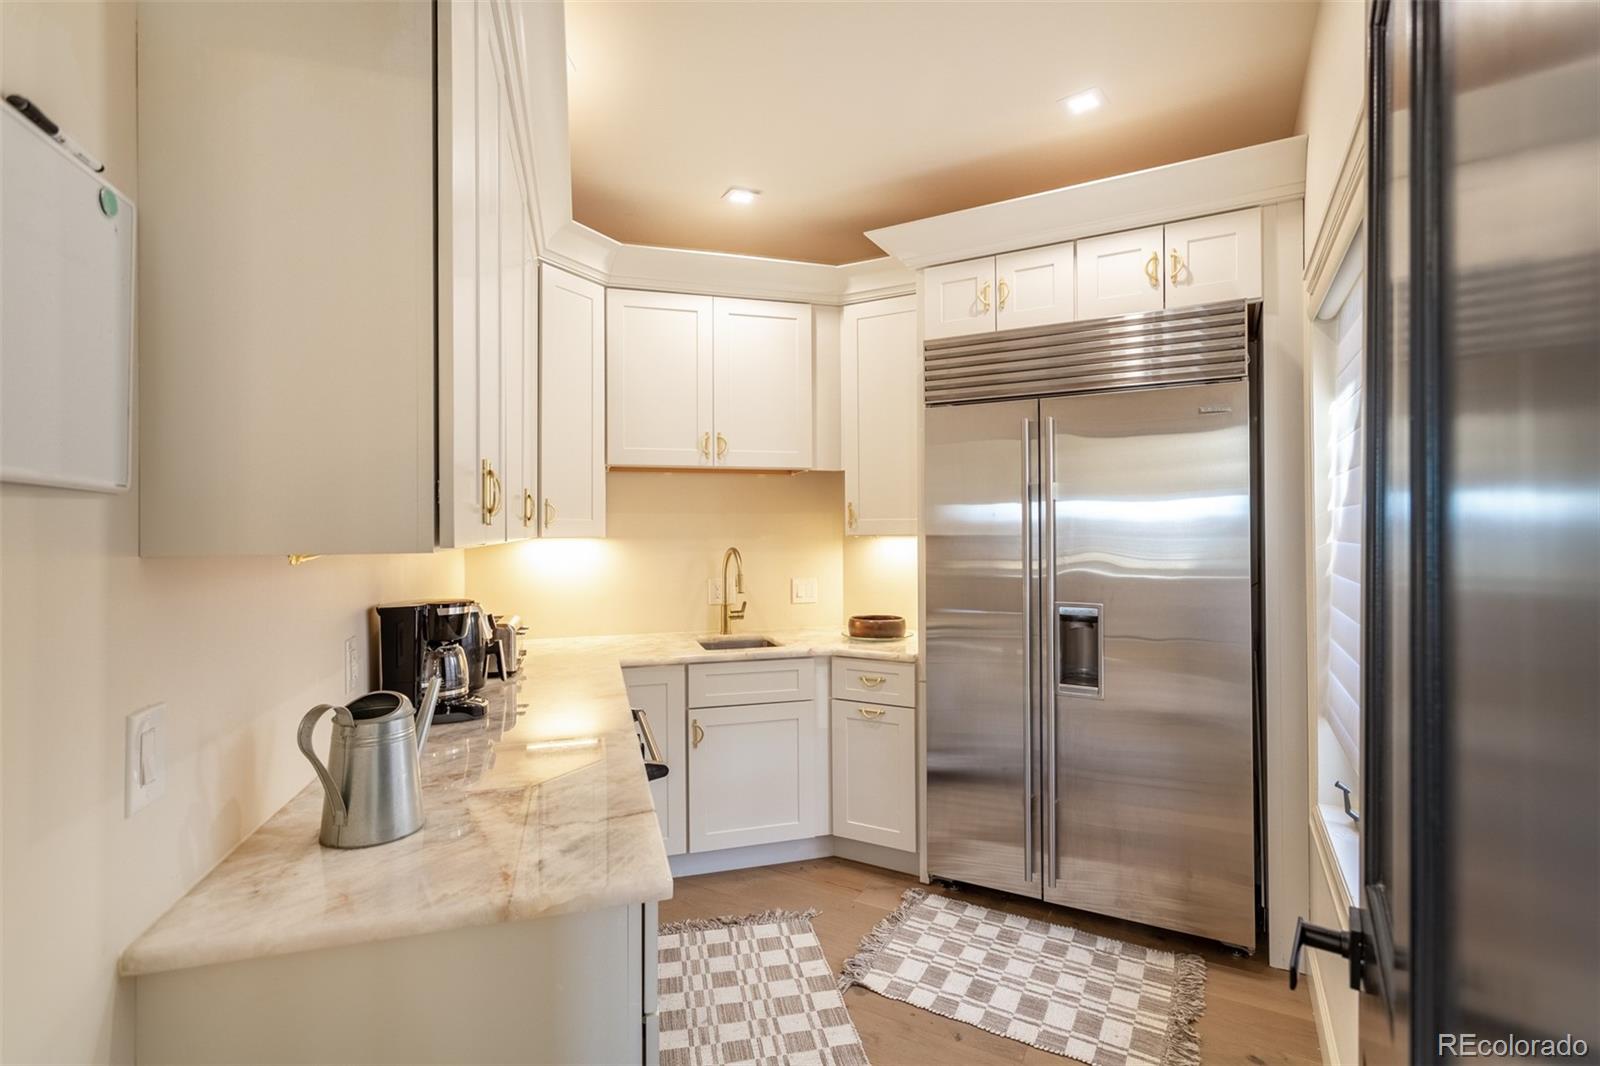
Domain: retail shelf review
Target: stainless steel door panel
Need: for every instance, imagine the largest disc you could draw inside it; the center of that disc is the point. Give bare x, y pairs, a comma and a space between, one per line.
981, 611
1151, 816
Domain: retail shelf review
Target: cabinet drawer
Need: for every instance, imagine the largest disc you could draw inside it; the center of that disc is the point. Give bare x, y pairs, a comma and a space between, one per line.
751, 681
875, 680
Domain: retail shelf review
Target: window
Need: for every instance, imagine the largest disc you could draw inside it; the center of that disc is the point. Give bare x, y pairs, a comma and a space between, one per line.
1339, 359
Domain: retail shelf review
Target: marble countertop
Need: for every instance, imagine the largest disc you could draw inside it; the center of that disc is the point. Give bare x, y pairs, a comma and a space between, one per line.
517, 827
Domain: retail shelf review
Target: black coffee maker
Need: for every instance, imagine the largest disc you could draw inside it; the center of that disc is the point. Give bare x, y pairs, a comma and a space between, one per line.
434, 638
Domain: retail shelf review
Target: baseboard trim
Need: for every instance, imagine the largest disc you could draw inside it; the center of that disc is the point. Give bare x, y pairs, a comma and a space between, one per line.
1322, 1015
712, 862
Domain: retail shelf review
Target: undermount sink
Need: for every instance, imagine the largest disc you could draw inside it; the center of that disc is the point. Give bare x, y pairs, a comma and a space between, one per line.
734, 643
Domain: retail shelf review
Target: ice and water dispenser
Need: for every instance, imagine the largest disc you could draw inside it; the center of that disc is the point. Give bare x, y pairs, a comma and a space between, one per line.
1079, 651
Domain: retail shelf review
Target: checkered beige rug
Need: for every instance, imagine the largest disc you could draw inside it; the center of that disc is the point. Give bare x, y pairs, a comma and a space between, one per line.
1087, 997
751, 990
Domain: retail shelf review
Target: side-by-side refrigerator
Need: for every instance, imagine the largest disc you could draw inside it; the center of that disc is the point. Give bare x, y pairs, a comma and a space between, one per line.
1089, 645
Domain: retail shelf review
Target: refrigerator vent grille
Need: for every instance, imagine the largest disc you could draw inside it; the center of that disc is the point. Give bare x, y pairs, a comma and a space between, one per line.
1182, 347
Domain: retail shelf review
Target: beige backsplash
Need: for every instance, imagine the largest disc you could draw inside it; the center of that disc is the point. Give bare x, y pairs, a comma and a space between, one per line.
665, 537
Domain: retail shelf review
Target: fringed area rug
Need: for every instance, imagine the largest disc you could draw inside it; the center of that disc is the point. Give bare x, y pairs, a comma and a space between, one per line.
751, 990
1059, 989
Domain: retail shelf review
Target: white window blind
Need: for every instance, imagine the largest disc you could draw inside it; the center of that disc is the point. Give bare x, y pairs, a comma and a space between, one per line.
1341, 699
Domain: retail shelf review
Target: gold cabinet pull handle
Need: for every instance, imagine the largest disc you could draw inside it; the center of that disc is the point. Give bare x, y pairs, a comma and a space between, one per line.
549, 513
705, 446
527, 508
722, 446
699, 734
1152, 270
1177, 265
983, 294
1005, 291
872, 712
491, 492
872, 680
850, 515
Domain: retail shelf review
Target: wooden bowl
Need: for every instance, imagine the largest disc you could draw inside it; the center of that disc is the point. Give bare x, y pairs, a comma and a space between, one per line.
877, 626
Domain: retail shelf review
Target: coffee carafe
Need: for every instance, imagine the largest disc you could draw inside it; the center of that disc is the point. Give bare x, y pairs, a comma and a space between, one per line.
372, 781
434, 638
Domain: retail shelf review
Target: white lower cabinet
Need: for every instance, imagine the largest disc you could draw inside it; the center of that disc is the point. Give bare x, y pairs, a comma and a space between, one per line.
753, 774
874, 774
660, 693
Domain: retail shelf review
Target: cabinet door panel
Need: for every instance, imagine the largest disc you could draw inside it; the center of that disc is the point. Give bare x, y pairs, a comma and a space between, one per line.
526, 497
880, 389
1119, 273
1034, 287
958, 299
752, 774
1214, 258
659, 692
874, 774
658, 379
515, 421
491, 443
761, 384
572, 473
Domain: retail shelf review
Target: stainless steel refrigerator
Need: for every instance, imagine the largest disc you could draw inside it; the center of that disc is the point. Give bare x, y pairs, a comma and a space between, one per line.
1089, 640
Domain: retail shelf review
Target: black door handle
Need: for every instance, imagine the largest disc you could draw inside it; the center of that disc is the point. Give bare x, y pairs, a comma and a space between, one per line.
1346, 945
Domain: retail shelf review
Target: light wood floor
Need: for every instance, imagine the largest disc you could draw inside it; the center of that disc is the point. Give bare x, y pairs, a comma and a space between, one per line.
1251, 1016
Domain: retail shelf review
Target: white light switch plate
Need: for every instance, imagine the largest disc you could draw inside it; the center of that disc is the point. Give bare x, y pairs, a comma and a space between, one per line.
145, 758
803, 590
714, 591
352, 666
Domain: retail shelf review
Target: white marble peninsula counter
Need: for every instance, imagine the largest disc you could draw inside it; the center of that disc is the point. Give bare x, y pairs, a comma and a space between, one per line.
531, 890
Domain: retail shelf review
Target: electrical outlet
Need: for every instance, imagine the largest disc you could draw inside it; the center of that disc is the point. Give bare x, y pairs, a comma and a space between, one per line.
803, 590
144, 759
714, 591
352, 666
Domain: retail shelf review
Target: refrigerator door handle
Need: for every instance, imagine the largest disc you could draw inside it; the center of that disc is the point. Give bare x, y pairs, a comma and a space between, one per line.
1049, 669
1030, 656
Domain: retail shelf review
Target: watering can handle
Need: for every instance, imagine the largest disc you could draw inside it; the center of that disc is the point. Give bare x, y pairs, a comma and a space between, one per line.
307, 724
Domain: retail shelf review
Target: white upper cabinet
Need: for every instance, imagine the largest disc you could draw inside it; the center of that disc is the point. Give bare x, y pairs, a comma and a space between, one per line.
572, 404
1034, 287
761, 385
880, 393
286, 289
658, 374
1213, 259
958, 299
1120, 273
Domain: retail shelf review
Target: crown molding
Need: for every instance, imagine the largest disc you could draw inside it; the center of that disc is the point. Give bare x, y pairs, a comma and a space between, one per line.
1245, 177
540, 65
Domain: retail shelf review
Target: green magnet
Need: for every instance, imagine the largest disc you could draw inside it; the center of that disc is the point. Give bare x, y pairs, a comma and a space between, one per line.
108, 203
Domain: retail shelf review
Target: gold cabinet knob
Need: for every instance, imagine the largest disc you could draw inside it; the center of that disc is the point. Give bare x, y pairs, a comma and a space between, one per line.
527, 508
850, 515
983, 296
872, 712
1005, 291
871, 680
705, 446
699, 734
549, 513
722, 446
1177, 266
1152, 270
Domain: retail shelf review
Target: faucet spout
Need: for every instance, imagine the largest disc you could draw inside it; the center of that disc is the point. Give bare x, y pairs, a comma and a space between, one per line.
729, 612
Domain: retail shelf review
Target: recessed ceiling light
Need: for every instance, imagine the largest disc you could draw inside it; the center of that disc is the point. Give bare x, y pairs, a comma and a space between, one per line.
736, 195
1084, 102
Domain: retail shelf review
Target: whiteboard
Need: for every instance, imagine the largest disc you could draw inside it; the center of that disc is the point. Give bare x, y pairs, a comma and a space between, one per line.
66, 317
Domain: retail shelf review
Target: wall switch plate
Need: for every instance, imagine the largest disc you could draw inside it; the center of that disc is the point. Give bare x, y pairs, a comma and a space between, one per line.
714, 592
144, 759
803, 590
352, 666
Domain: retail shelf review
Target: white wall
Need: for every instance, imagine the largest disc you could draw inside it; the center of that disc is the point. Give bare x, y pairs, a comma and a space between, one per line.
1331, 101
237, 649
